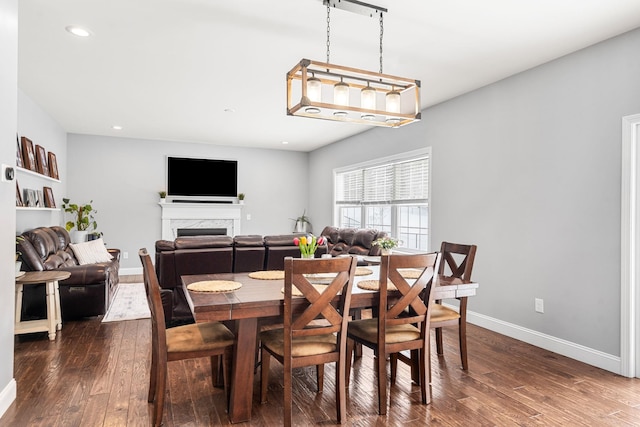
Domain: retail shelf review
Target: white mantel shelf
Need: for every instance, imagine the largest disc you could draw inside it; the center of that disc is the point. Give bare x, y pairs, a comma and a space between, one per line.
200, 215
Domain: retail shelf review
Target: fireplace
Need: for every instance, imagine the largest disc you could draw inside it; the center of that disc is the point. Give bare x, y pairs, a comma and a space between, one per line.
202, 232
198, 216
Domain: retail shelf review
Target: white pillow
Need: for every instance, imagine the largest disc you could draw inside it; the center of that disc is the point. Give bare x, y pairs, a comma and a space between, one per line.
91, 252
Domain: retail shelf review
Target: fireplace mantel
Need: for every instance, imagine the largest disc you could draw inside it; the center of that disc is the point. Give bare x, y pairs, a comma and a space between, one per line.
200, 215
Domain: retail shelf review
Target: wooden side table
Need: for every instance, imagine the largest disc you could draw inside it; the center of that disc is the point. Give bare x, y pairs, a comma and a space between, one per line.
53, 321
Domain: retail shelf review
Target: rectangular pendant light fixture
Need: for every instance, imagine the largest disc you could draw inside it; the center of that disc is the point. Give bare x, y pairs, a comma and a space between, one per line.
311, 92
321, 90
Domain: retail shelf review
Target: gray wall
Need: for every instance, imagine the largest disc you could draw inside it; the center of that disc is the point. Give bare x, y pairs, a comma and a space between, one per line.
123, 177
8, 129
529, 170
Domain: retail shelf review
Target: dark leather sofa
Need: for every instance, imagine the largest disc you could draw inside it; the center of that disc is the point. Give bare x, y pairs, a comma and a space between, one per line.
218, 254
352, 241
87, 292
224, 254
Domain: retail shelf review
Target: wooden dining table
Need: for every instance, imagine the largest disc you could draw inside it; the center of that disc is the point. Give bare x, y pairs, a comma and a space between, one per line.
261, 300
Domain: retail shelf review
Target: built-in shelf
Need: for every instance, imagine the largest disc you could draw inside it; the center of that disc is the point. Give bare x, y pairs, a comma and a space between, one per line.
39, 175
27, 208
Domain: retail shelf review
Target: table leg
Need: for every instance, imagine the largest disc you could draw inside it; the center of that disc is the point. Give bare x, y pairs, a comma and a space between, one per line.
51, 310
240, 401
19, 288
58, 310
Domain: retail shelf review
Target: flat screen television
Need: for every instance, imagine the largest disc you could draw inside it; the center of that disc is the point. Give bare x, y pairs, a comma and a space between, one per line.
196, 177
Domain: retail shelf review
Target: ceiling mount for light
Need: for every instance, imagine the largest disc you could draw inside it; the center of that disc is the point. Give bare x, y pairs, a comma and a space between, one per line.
334, 92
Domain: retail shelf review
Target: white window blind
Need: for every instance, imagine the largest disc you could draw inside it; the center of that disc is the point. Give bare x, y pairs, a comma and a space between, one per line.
399, 182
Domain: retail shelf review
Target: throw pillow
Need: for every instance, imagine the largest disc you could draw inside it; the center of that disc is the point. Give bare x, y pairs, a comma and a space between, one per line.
91, 252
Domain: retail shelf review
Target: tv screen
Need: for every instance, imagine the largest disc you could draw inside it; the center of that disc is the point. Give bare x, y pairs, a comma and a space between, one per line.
201, 177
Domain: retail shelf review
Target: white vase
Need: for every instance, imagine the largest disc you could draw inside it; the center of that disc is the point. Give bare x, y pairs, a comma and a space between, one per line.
301, 227
387, 251
79, 236
162, 200
18, 267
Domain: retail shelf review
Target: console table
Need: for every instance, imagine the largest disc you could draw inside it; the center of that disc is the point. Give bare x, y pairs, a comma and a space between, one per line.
53, 321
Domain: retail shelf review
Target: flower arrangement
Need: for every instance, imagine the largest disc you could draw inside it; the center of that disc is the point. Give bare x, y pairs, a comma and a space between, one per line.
386, 243
308, 245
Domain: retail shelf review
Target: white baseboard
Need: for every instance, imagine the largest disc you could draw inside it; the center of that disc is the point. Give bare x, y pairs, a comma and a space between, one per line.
569, 349
130, 271
7, 396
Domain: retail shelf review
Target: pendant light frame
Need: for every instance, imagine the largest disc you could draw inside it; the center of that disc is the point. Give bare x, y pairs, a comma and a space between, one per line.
330, 74
299, 103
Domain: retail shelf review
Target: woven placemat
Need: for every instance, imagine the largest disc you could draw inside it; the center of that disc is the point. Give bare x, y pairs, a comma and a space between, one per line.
267, 275
374, 285
409, 273
363, 271
214, 286
296, 292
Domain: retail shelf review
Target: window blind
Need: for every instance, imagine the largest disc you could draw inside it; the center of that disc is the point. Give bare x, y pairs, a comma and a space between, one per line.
397, 182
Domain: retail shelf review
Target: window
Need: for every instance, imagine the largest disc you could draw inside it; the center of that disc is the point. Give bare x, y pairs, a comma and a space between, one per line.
390, 194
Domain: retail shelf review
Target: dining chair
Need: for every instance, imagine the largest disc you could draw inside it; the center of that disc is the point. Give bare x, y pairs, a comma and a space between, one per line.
457, 262
211, 339
314, 330
393, 330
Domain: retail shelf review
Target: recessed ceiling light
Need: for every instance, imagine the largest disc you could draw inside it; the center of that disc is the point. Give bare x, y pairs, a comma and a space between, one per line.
285, 142
229, 110
78, 31
116, 127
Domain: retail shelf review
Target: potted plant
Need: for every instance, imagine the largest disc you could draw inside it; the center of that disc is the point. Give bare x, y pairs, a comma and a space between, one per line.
302, 223
83, 219
386, 244
241, 198
163, 196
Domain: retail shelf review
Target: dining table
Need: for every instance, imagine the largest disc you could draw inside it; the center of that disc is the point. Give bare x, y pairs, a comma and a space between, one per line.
260, 301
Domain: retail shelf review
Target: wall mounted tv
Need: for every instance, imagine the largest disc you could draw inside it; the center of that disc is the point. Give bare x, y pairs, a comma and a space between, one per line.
194, 177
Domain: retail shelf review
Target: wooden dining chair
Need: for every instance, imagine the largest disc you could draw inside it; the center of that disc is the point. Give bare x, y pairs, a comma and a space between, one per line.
457, 262
392, 330
314, 331
192, 341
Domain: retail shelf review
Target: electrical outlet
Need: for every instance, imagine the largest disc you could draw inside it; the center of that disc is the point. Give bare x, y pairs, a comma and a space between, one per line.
539, 305
248, 217
125, 255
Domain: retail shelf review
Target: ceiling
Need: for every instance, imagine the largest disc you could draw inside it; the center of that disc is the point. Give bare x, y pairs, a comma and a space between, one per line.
213, 71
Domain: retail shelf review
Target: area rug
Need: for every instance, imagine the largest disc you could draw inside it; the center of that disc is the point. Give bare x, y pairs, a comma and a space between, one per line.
129, 303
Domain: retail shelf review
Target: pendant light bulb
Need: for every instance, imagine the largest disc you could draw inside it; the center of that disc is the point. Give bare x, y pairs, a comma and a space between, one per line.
341, 93
314, 89
368, 101
393, 101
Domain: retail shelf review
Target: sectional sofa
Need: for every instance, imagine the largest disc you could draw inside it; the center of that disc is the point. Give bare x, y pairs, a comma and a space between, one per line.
245, 253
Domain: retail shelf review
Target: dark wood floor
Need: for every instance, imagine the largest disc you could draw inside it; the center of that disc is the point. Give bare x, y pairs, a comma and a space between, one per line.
96, 374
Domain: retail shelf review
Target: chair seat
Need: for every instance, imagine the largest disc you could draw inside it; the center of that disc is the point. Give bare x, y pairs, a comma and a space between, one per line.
367, 329
301, 346
440, 313
198, 337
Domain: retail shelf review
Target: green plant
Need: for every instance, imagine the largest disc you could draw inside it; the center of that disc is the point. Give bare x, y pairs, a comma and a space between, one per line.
301, 222
162, 194
241, 196
386, 242
83, 215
